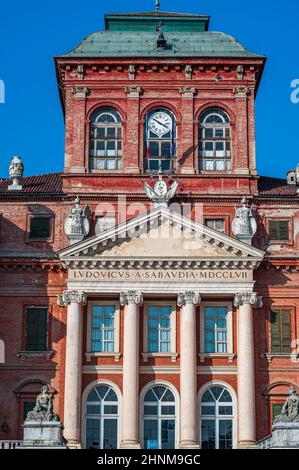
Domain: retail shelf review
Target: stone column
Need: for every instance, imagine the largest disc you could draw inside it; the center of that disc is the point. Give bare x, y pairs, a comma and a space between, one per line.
131, 300
188, 377
74, 301
246, 371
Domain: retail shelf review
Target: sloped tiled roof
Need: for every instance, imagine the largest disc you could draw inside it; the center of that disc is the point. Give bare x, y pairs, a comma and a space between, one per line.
40, 184
269, 186
144, 44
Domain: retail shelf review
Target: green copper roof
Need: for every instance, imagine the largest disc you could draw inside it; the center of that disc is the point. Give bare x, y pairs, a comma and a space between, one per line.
144, 44
150, 21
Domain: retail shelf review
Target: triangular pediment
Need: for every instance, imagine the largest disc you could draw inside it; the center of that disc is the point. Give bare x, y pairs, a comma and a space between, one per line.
164, 237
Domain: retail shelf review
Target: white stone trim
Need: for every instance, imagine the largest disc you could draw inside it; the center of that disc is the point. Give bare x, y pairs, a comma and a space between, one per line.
116, 352
85, 393
230, 334
173, 352
220, 383
177, 407
171, 369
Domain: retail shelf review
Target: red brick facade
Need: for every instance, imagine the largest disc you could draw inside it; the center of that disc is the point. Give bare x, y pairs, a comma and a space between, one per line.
32, 275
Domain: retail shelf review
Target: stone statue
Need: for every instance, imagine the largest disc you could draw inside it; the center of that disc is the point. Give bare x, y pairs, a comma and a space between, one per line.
290, 410
16, 171
244, 225
76, 225
43, 409
160, 194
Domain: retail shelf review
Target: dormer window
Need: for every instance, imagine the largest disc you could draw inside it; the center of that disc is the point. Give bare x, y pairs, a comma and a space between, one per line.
214, 141
105, 140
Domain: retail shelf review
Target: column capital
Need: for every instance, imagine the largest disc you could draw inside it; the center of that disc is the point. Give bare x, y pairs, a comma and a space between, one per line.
247, 297
70, 297
188, 297
131, 297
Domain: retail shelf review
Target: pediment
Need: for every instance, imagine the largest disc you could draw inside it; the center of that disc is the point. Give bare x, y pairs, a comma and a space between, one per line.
161, 238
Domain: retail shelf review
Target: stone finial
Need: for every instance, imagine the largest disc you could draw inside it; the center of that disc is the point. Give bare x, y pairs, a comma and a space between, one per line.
240, 72
247, 297
76, 225
80, 71
290, 410
188, 72
161, 194
131, 296
188, 297
244, 225
43, 409
132, 72
69, 297
16, 171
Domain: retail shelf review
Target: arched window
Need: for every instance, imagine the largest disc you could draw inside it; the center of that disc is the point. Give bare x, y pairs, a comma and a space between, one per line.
105, 152
214, 141
101, 417
160, 140
216, 410
159, 418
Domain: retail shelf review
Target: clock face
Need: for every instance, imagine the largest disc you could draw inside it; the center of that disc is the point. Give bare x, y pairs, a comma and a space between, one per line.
160, 123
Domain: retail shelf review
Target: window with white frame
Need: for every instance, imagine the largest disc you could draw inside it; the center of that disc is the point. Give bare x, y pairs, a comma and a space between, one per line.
105, 151
215, 224
101, 418
214, 141
216, 328
159, 418
102, 328
159, 328
216, 419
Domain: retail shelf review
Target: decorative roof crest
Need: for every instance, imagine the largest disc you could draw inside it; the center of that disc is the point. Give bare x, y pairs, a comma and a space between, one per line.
161, 193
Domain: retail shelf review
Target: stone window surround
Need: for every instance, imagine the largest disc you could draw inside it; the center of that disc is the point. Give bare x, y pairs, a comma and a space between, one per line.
52, 228
116, 353
290, 219
173, 353
230, 340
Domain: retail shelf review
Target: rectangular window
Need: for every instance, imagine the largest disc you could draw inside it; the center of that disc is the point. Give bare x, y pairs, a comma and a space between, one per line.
215, 224
37, 329
40, 228
159, 328
279, 230
276, 410
215, 328
103, 328
280, 321
28, 406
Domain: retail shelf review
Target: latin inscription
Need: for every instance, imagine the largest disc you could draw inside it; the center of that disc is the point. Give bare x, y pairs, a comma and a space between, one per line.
160, 275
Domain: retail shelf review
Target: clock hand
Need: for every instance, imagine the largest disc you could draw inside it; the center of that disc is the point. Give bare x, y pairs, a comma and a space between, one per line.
161, 123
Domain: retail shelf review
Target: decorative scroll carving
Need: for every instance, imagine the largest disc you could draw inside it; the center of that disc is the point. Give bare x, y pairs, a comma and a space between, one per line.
241, 92
187, 92
248, 297
133, 91
16, 171
43, 409
76, 225
290, 410
131, 296
188, 297
244, 225
80, 92
69, 297
80, 72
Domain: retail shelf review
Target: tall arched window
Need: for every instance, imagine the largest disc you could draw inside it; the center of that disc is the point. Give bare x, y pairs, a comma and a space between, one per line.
216, 410
105, 151
160, 140
214, 141
101, 415
159, 418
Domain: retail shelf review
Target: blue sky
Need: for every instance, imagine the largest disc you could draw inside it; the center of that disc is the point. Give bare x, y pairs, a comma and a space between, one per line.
33, 32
